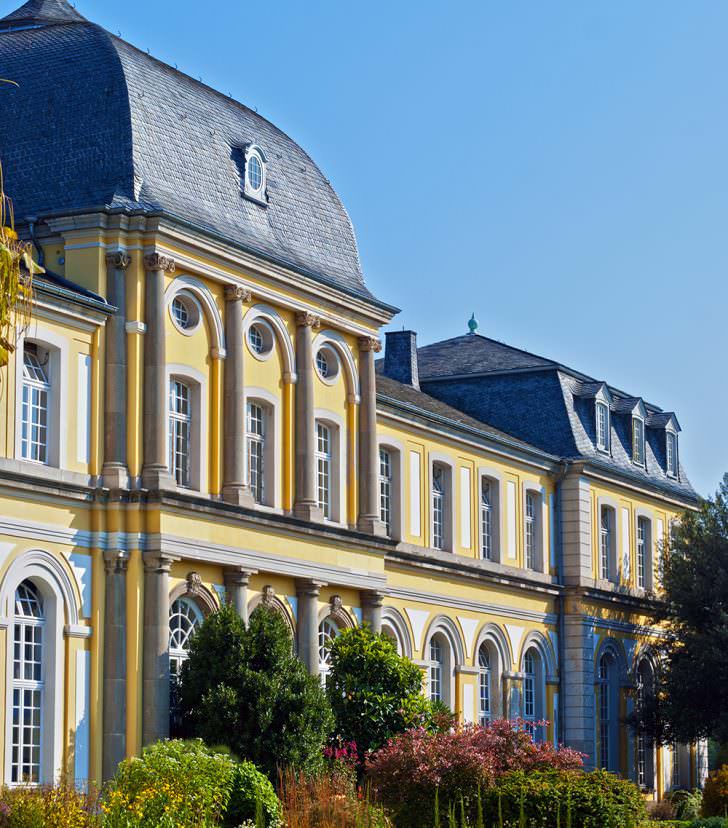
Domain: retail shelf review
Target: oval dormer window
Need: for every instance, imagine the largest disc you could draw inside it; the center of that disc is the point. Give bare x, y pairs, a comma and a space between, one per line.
255, 174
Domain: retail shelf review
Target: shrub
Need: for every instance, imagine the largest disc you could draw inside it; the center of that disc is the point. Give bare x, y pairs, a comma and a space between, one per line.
663, 809
327, 800
687, 803
244, 688
709, 822
173, 783
412, 768
715, 793
59, 807
253, 798
374, 692
582, 800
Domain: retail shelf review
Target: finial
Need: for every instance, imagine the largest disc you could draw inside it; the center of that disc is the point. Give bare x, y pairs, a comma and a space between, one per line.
473, 324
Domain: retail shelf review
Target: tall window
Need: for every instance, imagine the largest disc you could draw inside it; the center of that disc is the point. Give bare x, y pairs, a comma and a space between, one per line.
185, 619
256, 450
643, 542
529, 686
605, 543
645, 766
606, 711
36, 389
638, 441
323, 468
531, 557
602, 426
486, 519
671, 453
436, 669
180, 427
385, 489
675, 752
27, 685
328, 630
484, 675
438, 507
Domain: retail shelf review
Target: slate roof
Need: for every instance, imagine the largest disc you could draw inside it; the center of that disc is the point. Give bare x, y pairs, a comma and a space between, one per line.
545, 404
390, 390
97, 124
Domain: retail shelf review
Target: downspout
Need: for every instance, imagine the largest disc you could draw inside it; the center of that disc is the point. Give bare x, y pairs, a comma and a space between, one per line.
31, 229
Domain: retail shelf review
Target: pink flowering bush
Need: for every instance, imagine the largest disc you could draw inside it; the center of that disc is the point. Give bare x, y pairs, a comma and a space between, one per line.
409, 769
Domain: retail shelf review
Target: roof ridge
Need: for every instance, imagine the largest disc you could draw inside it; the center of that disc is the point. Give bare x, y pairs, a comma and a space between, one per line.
44, 11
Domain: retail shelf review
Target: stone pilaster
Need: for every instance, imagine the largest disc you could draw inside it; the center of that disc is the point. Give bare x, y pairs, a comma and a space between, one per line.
115, 471
155, 472
114, 710
371, 609
369, 516
155, 660
307, 593
236, 581
306, 503
235, 479
578, 682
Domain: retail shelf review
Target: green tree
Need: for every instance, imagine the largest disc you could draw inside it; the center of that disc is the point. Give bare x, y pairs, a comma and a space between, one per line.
374, 692
245, 688
691, 695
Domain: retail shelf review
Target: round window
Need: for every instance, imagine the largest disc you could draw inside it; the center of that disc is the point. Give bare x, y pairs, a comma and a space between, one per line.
255, 173
185, 312
327, 364
260, 339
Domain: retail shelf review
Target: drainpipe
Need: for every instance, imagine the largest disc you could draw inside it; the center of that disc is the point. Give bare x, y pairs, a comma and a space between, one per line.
31, 229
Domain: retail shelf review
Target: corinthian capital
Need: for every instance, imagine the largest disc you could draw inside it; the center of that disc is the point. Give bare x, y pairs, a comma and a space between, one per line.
237, 293
156, 261
118, 260
308, 320
370, 343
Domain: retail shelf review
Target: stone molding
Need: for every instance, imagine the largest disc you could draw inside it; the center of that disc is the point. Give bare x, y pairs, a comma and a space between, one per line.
118, 260
308, 320
234, 293
156, 261
370, 343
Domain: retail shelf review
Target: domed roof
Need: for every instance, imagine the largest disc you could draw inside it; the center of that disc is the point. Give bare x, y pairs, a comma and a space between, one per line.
96, 124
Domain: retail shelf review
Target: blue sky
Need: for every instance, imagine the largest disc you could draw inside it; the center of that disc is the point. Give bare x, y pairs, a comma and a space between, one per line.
559, 168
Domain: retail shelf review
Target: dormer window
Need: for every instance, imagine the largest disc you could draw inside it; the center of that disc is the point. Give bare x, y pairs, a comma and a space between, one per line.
671, 461
638, 441
602, 416
255, 178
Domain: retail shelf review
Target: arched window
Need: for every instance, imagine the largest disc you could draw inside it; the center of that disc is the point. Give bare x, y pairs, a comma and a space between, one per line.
533, 691
438, 507
437, 665
486, 518
608, 699
385, 489
180, 431
257, 429
484, 684
645, 745
28, 685
185, 617
328, 630
35, 406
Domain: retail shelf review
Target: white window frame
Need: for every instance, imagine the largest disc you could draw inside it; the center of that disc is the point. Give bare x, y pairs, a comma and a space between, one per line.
540, 558
257, 440
179, 431
488, 518
445, 464
35, 406
58, 349
608, 701
639, 446
672, 463
485, 683
337, 463
259, 195
273, 462
179, 654
644, 580
395, 449
534, 690
602, 407
386, 488
328, 631
607, 543
196, 381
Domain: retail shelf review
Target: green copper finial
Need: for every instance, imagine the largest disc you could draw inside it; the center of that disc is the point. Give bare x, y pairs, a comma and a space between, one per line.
473, 324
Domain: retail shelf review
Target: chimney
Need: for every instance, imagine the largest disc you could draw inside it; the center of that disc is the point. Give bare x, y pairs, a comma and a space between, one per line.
400, 357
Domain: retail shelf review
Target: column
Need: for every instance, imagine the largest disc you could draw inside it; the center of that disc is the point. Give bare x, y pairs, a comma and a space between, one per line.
236, 581
115, 470
114, 711
235, 479
306, 505
155, 657
155, 472
579, 725
369, 519
307, 593
371, 609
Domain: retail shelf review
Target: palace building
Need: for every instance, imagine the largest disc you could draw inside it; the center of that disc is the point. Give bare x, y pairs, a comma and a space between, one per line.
197, 413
